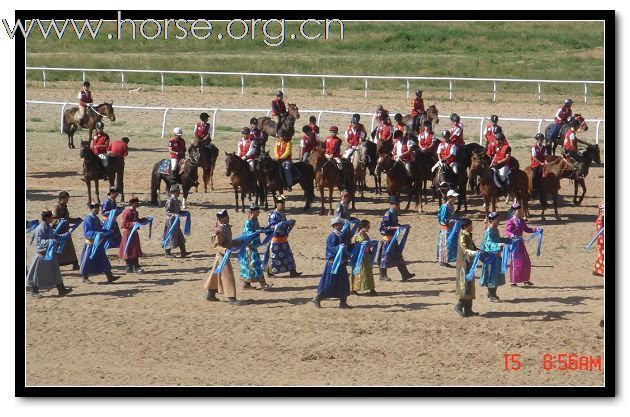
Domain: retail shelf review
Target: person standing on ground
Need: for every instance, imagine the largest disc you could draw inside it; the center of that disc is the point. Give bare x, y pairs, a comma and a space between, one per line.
68, 256
97, 263
222, 282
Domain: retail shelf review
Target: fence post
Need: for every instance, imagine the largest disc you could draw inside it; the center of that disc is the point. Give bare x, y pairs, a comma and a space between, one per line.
597, 132
366, 88
282, 84
164, 122
64, 107
214, 122
372, 124
83, 72
201, 77
162, 81
450, 89
481, 131
540, 124
494, 91
242, 85
585, 92
407, 89
539, 92
122, 80
268, 111
44, 74
323, 88
319, 118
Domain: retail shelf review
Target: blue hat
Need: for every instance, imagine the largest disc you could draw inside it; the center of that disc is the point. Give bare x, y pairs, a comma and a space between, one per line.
254, 207
493, 215
393, 199
222, 213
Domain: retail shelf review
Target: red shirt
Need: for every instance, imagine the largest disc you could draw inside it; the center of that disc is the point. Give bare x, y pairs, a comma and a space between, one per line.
202, 130
562, 115
444, 150
501, 154
278, 107
489, 135
177, 147
309, 142
539, 153
457, 134
243, 146
129, 217
385, 131
85, 97
402, 150
100, 142
491, 149
426, 140
333, 146
401, 127
118, 148
570, 141
417, 106
353, 137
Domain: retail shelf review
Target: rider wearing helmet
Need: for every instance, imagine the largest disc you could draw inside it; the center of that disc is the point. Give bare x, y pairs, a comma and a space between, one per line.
489, 132
446, 151
100, 142
85, 100
248, 150
283, 151
427, 139
203, 130
356, 123
177, 151
571, 141
562, 116
417, 109
403, 150
278, 110
379, 118
255, 133
354, 136
385, 130
308, 143
537, 160
457, 131
400, 126
500, 163
312, 122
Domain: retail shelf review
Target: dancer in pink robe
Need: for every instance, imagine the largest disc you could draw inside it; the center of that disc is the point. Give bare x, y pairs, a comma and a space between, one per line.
521, 267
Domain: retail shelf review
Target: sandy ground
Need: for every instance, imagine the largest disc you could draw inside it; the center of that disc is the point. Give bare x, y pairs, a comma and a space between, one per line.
157, 329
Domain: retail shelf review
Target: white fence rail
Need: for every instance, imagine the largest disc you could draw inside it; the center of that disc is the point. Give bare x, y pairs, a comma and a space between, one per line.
320, 114
323, 77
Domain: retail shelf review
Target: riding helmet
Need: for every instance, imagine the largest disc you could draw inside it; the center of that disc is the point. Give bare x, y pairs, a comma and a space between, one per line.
500, 136
356, 116
245, 131
428, 123
418, 91
384, 115
540, 136
446, 134
178, 131
100, 125
454, 117
86, 83
279, 94
204, 116
306, 129
497, 129
494, 118
568, 102
333, 128
253, 121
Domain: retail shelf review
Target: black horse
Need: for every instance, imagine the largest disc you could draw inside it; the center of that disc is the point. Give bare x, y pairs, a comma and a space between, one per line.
188, 177
446, 179
274, 180
552, 143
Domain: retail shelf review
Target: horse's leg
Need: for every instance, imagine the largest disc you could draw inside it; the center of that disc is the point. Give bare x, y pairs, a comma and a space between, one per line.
583, 185
243, 199
321, 192
555, 205
98, 199
330, 197
205, 176
88, 182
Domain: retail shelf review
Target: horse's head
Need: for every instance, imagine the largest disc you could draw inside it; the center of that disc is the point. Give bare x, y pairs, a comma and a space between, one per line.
194, 154
293, 111
582, 127
265, 161
384, 162
594, 151
229, 163
432, 114
85, 148
106, 109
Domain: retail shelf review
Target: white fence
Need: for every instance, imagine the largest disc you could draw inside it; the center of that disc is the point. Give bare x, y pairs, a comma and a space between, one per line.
320, 114
323, 77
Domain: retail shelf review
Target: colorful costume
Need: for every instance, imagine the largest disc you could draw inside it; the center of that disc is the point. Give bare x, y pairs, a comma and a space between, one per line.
394, 258
334, 285
44, 274
173, 208
598, 268
222, 282
134, 251
491, 275
465, 290
69, 255
98, 264
279, 254
251, 265
365, 279
521, 267
446, 251
106, 207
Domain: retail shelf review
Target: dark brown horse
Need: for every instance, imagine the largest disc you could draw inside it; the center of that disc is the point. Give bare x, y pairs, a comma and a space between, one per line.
446, 179
240, 177
549, 183
397, 178
328, 175
483, 177
369, 156
269, 128
188, 177
207, 160
590, 155
70, 122
92, 171
432, 116
273, 180
359, 167
551, 146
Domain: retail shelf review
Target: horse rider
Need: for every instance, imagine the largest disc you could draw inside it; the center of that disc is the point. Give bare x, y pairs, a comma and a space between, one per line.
356, 120
119, 148
248, 149
255, 133
562, 116
333, 151
427, 139
571, 141
283, 151
417, 109
278, 110
457, 131
203, 130
177, 152
85, 101
403, 151
490, 130
385, 130
100, 143
378, 117
500, 163
354, 136
312, 122
537, 161
446, 151
308, 143
400, 126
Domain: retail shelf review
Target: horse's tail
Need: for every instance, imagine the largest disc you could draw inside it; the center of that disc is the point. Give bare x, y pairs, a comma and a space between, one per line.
155, 184
65, 128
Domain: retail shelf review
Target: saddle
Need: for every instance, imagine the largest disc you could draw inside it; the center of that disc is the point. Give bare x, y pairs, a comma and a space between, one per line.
497, 179
165, 166
295, 174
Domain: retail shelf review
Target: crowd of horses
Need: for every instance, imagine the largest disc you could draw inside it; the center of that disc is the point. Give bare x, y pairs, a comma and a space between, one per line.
475, 175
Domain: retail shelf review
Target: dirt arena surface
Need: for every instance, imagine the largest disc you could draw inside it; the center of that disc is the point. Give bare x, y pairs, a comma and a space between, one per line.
157, 328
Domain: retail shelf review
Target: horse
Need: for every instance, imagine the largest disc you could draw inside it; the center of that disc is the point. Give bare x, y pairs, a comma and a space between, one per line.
274, 181
207, 160
484, 178
240, 177
397, 178
188, 176
549, 183
425, 161
269, 128
465, 158
432, 116
369, 156
92, 171
445, 177
328, 175
359, 166
583, 127
70, 122
590, 155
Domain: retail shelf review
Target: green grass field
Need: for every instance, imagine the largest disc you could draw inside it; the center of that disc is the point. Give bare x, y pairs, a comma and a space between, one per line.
533, 50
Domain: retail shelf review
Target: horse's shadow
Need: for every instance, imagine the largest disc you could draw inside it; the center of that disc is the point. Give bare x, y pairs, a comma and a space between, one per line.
544, 315
396, 307
292, 301
165, 281
40, 195
575, 300
60, 174
121, 293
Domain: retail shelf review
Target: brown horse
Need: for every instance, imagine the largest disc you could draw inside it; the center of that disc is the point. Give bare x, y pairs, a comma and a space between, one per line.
397, 178
207, 160
359, 167
519, 188
92, 171
328, 175
590, 155
549, 183
269, 128
554, 142
446, 179
70, 122
272, 180
240, 177
481, 173
432, 116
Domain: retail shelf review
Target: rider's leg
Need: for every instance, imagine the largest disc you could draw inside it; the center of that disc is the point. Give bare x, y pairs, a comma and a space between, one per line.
408, 168
287, 173
251, 165
81, 114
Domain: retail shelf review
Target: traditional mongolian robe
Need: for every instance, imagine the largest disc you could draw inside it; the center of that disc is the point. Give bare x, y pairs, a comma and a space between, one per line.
491, 275
365, 279
251, 265
173, 208
521, 267
106, 207
69, 254
446, 251
44, 274
394, 257
223, 282
465, 290
99, 264
598, 268
333, 285
279, 252
134, 251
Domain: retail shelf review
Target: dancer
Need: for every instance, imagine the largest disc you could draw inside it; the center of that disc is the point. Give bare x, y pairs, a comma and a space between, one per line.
93, 257
364, 280
521, 267
447, 249
390, 255
251, 265
69, 255
465, 290
222, 282
130, 249
491, 275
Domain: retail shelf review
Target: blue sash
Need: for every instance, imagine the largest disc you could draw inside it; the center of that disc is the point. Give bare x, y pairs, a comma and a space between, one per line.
267, 241
187, 227
61, 224
187, 224
136, 226
589, 244
50, 251
359, 252
244, 241
355, 227
401, 246
97, 241
33, 226
538, 233
338, 259
109, 223
454, 233
487, 258
63, 240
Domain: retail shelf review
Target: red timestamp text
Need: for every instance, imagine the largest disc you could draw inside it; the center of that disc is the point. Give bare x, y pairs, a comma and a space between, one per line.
571, 362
